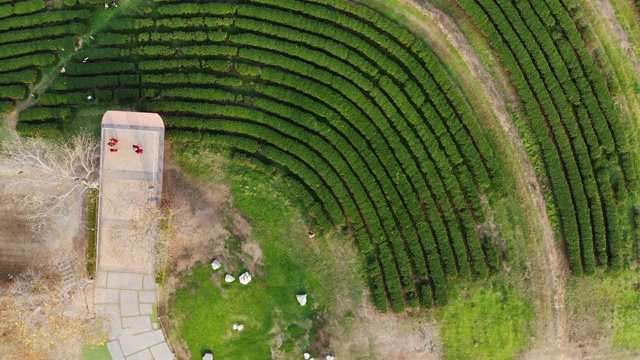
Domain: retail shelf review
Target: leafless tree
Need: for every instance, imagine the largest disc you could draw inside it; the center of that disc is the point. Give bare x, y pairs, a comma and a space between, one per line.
60, 171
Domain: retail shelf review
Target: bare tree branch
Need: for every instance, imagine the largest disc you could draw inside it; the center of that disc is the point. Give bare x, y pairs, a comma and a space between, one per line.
65, 170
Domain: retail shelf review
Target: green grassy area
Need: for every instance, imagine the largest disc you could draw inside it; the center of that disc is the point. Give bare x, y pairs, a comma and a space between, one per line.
610, 308
486, 320
4, 130
154, 313
206, 312
95, 353
92, 236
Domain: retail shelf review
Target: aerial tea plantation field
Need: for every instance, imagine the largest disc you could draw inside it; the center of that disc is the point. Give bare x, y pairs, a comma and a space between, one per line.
363, 117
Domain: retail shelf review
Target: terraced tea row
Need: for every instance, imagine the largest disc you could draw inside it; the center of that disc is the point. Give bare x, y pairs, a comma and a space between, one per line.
356, 109
30, 38
573, 120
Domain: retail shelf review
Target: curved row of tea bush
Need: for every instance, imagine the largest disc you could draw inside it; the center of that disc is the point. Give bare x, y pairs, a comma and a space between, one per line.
356, 109
572, 118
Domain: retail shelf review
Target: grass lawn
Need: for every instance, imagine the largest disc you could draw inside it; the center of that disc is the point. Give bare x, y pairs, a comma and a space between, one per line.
95, 353
487, 320
267, 306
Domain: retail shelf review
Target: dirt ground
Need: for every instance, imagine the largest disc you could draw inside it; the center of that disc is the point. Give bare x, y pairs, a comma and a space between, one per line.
21, 246
373, 335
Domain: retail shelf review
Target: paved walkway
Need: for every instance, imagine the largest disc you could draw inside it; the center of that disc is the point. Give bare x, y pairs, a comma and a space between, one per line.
130, 187
129, 301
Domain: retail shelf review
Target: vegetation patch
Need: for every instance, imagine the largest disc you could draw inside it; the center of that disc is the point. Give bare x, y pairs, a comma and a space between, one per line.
92, 231
489, 320
100, 352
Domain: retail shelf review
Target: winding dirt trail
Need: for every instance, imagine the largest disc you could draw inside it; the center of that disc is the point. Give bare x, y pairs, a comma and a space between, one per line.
553, 336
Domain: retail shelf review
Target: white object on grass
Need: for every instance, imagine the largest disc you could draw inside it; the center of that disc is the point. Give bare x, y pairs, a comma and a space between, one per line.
302, 299
245, 278
215, 264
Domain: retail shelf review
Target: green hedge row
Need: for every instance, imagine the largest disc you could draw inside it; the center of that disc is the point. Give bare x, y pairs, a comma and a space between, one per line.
45, 114
157, 65
149, 50
6, 10
21, 8
14, 92
189, 78
103, 67
80, 98
6, 107
38, 60
194, 22
42, 129
209, 94
190, 9
43, 19
42, 32
17, 49
24, 76
90, 82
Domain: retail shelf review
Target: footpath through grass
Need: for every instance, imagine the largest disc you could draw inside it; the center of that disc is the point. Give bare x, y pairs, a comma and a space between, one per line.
267, 306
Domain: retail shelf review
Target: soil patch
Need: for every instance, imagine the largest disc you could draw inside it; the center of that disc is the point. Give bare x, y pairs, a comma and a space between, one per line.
20, 246
372, 335
64, 239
